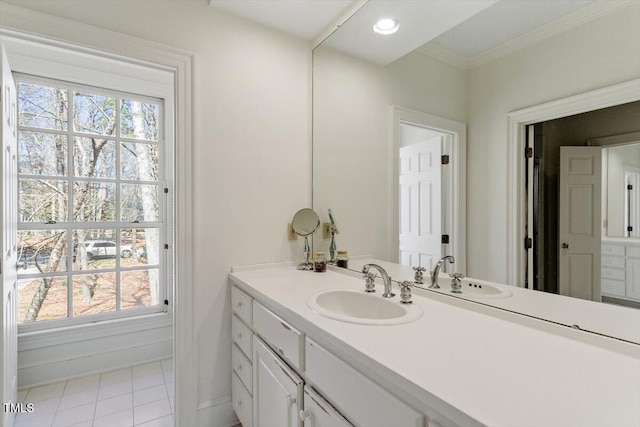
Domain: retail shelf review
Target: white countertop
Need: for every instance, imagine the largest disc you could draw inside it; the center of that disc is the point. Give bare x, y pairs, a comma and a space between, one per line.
471, 363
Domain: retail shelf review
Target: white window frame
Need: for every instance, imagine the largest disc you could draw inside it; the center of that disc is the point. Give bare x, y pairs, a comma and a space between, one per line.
40, 62
118, 225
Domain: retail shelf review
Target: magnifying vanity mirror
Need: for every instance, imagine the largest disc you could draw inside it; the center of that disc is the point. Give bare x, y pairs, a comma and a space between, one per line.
305, 222
411, 144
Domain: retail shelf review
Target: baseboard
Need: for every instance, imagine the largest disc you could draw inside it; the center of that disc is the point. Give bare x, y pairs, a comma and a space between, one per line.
217, 413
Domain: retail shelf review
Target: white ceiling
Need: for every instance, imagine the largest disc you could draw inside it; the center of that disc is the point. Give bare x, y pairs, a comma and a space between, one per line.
503, 21
301, 18
466, 28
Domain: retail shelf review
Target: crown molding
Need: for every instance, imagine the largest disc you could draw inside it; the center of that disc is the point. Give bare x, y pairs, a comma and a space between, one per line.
447, 56
557, 26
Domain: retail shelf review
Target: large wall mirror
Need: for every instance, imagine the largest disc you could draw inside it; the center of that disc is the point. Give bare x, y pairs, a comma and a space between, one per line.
410, 129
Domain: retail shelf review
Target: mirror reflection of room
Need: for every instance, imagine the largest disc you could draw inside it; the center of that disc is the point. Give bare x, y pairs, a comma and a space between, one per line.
498, 217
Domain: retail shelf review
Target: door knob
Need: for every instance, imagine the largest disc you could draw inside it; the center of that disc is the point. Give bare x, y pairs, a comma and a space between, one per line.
565, 246
21, 265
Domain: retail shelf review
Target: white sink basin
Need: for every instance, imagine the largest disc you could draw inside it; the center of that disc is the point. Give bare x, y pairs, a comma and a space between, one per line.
363, 308
483, 290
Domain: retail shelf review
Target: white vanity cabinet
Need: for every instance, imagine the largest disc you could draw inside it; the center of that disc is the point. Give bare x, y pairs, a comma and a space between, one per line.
282, 378
241, 356
278, 390
621, 268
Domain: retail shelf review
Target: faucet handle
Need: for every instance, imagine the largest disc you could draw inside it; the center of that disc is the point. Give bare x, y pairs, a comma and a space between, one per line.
370, 284
456, 286
419, 274
405, 292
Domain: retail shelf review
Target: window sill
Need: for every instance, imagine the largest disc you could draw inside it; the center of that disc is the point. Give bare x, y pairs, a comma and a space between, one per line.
71, 334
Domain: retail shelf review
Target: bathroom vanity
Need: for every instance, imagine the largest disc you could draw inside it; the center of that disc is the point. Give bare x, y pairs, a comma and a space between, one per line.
453, 362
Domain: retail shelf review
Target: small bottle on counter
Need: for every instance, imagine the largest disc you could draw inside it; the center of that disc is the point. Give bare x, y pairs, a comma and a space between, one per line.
319, 262
342, 259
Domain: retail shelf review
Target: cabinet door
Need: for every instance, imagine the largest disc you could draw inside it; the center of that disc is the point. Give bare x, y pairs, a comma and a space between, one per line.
277, 390
319, 413
633, 278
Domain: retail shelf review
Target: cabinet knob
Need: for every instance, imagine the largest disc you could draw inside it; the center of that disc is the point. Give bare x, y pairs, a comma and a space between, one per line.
290, 401
304, 415
238, 403
239, 367
238, 335
239, 304
565, 246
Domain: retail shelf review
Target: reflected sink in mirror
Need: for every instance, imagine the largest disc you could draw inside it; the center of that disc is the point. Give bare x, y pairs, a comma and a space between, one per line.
483, 290
473, 290
362, 308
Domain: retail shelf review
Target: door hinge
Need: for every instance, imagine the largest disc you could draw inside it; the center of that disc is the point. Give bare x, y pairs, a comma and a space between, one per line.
528, 152
166, 190
166, 246
630, 187
445, 239
528, 243
445, 159
630, 228
166, 302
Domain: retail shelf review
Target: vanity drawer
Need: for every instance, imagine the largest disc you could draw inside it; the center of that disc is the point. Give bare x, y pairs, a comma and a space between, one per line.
242, 402
613, 250
241, 335
287, 341
613, 287
613, 262
633, 252
359, 399
241, 304
611, 273
242, 367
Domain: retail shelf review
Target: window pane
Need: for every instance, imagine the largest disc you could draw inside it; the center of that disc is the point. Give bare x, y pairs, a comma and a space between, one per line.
94, 114
43, 251
144, 246
41, 200
42, 107
94, 293
94, 201
139, 161
139, 288
94, 158
94, 249
42, 153
139, 120
42, 299
139, 202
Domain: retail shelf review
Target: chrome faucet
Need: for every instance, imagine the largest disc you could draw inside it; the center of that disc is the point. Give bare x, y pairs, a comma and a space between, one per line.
385, 279
436, 270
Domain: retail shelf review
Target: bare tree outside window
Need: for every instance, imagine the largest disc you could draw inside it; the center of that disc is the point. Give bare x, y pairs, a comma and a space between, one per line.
89, 202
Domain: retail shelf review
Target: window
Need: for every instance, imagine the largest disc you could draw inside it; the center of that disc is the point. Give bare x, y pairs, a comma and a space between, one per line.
92, 203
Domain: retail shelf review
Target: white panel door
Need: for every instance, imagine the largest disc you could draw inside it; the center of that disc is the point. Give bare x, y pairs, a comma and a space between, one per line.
277, 390
319, 413
9, 212
580, 219
420, 203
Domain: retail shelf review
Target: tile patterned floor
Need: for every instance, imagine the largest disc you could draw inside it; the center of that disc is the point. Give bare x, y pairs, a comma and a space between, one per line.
139, 396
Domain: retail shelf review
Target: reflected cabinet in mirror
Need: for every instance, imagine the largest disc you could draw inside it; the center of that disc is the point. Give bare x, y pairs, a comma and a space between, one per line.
498, 132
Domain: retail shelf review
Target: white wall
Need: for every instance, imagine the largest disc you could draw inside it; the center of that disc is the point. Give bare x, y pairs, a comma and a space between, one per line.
252, 142
598, 54
351, 130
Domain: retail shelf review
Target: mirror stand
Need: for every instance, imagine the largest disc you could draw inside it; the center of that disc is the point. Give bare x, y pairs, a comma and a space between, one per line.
306, 265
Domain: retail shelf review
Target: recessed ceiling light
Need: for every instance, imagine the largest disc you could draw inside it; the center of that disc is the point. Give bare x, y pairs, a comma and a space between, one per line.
386, 26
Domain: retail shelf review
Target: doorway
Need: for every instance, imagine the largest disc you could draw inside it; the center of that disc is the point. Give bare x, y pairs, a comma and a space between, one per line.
615, 126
